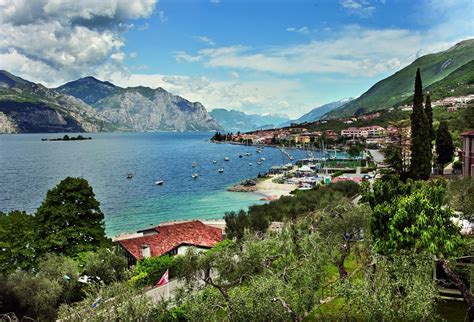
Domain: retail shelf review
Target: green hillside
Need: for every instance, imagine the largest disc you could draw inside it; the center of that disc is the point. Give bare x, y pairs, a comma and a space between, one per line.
458, 83
393, 90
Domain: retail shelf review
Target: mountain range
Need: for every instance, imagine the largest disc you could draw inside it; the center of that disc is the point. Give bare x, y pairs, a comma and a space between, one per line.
446, 73
236, 121
318, 112
91, 105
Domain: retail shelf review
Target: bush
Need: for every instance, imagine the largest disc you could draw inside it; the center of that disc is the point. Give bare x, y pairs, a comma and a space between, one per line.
149, 270
457, 165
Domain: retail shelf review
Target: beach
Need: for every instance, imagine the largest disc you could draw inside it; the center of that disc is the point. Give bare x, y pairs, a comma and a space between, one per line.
267, 188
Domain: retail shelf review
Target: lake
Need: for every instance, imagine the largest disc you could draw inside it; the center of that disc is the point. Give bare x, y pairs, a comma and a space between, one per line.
29, 167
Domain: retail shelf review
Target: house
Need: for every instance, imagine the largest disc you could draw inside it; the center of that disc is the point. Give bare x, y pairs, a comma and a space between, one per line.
354, 132
373, 131
169, 239
467, 156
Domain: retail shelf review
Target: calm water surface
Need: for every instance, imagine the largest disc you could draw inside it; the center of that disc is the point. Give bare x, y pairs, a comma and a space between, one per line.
29, 167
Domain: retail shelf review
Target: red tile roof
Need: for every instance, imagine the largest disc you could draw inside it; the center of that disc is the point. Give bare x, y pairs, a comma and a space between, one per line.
468, 133
170, 236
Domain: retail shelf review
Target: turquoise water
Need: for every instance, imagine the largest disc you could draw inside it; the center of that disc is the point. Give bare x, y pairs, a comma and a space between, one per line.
29, 167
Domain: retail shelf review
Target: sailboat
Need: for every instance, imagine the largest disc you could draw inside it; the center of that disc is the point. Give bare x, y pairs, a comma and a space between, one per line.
226, 159
214, 161
194, 164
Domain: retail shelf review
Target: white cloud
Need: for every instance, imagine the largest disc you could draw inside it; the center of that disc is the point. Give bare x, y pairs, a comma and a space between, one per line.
362, 8
302, 30
163, 17
59, 40
215, 1
205, 40
352, 51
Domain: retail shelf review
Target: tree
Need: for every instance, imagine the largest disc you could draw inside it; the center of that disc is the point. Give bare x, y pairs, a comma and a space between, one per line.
429, 116
38, 295
418, 221
420, 165
396, 152
460, 197
70, 220
444, 145
17, 241
106, 264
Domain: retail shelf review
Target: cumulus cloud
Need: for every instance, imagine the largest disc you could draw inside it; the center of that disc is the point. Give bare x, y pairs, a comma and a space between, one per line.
65, 39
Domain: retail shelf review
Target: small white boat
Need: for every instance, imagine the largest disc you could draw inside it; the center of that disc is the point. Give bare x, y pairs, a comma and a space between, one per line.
214, 161
259, 162
291, 157
194, 164
248, 154
262, 159
226, 159
221, 170
159, 182
195, 175
129, 175
250, 163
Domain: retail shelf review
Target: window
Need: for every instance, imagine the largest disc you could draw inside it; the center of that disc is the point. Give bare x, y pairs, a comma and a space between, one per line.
173, 251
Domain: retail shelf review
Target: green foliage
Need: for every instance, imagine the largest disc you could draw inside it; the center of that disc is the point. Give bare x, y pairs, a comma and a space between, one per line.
460, 197
107, 264
276, 278
355, 150
259, 217
37, 295
116, 302
420, 167
18, 241
444, 144
396, 288
149, 270
429, 116
70, 220
411, 216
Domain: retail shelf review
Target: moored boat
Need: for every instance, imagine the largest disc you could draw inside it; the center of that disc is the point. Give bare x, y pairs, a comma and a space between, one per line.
226, 159
221, 170
159, 182
195, 175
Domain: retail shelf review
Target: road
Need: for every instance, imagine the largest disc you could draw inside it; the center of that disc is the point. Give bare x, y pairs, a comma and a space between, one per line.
377, 155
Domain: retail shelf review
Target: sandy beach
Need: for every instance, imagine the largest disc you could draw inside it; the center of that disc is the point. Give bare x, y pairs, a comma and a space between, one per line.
267, 188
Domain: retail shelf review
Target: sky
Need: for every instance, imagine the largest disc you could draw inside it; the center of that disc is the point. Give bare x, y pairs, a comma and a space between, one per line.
256, 56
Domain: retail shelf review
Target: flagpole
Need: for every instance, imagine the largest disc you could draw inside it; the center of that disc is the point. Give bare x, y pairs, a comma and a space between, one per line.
168, 290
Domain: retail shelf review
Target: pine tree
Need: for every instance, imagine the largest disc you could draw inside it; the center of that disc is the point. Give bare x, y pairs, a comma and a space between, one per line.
429, 115
444, 144
420, 164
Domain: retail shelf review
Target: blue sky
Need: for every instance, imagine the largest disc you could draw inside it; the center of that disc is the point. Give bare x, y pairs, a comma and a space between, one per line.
255, 56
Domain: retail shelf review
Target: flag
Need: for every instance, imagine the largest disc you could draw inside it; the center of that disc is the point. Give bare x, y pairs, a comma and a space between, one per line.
164, 279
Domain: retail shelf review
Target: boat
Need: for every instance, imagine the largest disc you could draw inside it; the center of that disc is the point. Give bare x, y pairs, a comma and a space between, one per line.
159, 182
194, 164
214, 161
241, 156
195, 175
259, 162
250, 163
262, 159
291, 157
129, 175
248, 154
226, 159
221, 170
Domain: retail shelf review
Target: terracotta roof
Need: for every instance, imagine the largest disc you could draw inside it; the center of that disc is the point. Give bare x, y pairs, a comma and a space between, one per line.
170, 236
468, 133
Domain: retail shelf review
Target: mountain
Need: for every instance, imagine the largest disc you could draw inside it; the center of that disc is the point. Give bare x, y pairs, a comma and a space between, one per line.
317, 113
458, 83
235, 121
88, 89
394, 90
141, 108
26, 107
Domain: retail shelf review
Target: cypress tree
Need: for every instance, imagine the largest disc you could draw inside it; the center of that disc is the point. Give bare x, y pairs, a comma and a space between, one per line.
444, 144
420, 164
429, 115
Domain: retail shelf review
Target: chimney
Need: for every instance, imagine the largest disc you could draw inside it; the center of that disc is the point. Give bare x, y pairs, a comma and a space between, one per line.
146, 253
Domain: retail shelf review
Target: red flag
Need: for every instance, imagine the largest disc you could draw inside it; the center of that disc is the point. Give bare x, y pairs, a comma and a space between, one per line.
164, 279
